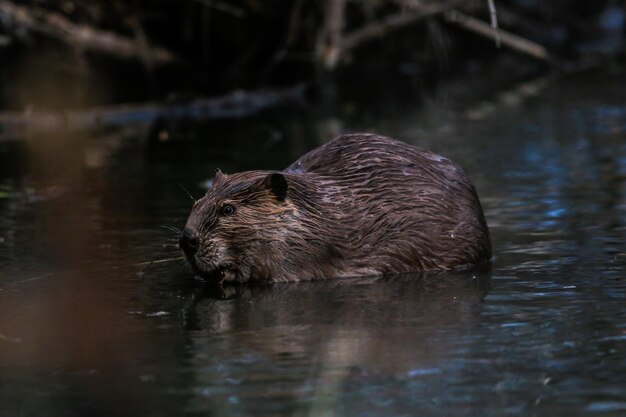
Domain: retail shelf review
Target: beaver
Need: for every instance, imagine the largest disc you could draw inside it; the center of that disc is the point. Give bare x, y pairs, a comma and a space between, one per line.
359, 205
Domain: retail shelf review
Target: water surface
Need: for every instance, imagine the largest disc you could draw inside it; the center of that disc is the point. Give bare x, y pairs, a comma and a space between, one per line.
87, 329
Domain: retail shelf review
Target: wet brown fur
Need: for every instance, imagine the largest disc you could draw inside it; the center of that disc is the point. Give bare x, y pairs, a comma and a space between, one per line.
359, 205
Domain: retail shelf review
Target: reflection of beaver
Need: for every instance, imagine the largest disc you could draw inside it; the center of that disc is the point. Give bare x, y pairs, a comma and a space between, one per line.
359, 205
378, 325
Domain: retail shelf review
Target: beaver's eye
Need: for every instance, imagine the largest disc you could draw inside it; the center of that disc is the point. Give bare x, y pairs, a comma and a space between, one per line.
227, 209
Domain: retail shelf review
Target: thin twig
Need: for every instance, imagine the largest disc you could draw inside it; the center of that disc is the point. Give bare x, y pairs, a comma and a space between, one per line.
493, 16
292, 32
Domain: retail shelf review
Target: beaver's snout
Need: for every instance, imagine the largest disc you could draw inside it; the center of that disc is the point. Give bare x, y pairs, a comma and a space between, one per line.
189, 242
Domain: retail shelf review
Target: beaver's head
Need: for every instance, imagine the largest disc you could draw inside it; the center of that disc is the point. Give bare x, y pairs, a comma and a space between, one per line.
236, 231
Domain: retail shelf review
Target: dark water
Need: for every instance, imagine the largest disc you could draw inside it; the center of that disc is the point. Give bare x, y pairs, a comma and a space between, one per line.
86, 330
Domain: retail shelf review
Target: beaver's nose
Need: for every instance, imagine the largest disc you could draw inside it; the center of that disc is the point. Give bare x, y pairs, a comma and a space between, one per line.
189, 242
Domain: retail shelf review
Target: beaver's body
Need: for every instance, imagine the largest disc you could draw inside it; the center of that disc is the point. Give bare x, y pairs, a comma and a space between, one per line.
359, 205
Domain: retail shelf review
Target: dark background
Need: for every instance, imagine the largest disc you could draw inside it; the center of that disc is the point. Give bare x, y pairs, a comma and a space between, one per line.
218, 46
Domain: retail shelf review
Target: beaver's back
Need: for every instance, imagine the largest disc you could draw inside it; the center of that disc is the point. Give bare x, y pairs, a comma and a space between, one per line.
350, 153
401, 205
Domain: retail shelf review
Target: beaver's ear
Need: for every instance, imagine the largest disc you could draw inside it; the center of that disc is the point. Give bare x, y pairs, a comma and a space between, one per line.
219, 176
277, 184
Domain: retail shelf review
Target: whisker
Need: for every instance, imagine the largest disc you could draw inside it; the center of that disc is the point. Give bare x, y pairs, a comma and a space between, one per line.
167, 248
169, 252
158, 261
148, 264
188, 193
172, 229
172, 242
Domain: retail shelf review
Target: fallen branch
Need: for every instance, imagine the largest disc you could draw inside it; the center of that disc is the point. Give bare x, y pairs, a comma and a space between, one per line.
17, 125
506, 38
83, 37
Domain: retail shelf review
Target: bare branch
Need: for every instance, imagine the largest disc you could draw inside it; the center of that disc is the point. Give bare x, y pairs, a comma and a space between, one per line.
329, 41
83, 37
17, 125
396, 21
508, 39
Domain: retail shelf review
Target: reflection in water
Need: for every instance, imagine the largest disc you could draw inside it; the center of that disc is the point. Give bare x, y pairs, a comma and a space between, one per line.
324, 337
86, 330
